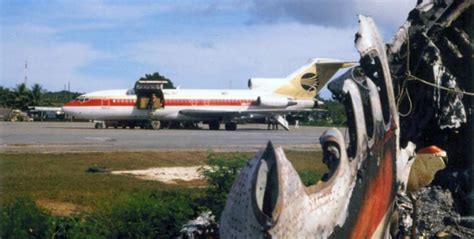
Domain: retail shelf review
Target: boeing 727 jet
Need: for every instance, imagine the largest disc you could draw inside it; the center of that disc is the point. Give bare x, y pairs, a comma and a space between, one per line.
147, 105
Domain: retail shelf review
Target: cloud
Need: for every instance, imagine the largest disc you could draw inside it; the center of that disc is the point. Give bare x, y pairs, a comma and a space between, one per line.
50, 63
389, 15
79, 15
328, 13
102, 10
197, 45
238, 54
335, 13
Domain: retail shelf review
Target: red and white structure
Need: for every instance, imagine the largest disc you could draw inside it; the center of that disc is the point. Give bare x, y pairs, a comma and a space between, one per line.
266, 98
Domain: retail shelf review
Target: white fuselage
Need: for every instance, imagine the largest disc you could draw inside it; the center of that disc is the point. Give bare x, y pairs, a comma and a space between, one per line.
121, 105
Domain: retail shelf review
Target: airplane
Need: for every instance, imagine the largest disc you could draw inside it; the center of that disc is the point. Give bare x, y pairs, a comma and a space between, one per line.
266, 98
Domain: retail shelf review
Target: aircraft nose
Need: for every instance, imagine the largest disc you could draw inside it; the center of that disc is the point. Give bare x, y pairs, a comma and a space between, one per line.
69, 109
69, 103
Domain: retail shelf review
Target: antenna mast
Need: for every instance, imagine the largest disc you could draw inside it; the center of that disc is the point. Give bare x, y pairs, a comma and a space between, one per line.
26, 72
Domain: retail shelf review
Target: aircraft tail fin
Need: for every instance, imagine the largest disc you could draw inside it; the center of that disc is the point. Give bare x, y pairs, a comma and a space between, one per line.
306, 82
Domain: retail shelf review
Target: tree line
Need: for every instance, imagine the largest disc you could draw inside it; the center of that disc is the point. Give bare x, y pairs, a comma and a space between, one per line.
21, 97
332, 113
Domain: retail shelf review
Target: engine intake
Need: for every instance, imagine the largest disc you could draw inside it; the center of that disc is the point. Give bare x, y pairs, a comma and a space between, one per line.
275, 102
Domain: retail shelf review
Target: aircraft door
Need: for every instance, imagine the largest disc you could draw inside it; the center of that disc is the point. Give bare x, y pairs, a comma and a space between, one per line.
149, 95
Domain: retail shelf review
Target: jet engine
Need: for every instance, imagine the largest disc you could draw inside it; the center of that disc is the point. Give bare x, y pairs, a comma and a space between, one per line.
275, 102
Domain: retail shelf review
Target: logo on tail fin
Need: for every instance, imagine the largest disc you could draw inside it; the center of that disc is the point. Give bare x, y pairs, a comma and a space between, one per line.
310, 81
306, 82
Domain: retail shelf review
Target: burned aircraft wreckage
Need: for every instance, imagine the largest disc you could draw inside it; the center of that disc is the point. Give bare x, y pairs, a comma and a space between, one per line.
406, 95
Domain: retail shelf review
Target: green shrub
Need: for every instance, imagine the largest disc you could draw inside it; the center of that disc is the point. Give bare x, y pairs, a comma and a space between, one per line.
86, 226
144, 215
151, 215
308, 177
220, 174
332, 114
64, 227
23, 219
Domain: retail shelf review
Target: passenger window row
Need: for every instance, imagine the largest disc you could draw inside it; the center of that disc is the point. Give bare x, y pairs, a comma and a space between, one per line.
123, 101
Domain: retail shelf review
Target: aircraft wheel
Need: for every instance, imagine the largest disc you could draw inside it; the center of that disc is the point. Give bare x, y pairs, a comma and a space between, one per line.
214, 125
230, 126
155, 124
132, 126
99, 125
124, 126
115, 126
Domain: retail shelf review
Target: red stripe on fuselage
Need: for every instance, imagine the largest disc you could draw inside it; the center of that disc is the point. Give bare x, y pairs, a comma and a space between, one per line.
169, 102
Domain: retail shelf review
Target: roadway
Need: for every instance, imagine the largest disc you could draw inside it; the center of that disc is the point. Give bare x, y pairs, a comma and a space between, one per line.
46, 137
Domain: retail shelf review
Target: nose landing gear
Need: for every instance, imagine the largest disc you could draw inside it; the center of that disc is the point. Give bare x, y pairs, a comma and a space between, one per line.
100, 125
154, 124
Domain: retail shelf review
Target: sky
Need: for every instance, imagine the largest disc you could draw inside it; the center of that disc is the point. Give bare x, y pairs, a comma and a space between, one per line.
212, 44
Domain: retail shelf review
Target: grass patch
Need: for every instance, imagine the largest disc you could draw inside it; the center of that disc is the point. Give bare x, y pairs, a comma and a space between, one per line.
53, 195
150, 215
62, 178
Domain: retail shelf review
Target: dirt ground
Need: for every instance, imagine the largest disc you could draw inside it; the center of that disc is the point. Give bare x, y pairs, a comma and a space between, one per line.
170, 175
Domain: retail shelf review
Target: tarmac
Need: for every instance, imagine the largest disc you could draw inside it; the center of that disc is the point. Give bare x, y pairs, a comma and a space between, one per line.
51, 137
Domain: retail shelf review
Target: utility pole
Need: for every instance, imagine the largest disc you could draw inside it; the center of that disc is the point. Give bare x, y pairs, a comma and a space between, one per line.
25, 81
68, 90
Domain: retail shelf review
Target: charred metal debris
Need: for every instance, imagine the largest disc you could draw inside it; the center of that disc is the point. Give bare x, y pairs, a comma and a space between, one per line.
406, 95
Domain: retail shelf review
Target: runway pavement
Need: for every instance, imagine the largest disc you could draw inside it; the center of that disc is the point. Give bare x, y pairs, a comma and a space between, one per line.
43, 137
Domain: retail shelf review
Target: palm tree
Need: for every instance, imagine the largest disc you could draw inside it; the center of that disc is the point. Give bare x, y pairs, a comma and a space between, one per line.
21, 97
5, 97
36, 95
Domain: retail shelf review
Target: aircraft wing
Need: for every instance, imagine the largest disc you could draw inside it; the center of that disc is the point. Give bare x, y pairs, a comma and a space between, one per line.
227, 113
45, 108
56, 110
276, 114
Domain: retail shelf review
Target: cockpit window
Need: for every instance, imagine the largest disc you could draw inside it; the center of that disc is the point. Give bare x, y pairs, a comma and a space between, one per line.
81, 98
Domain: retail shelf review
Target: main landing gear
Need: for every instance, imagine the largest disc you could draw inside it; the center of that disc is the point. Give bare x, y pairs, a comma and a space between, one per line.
132, 124
215, 125
231, 126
